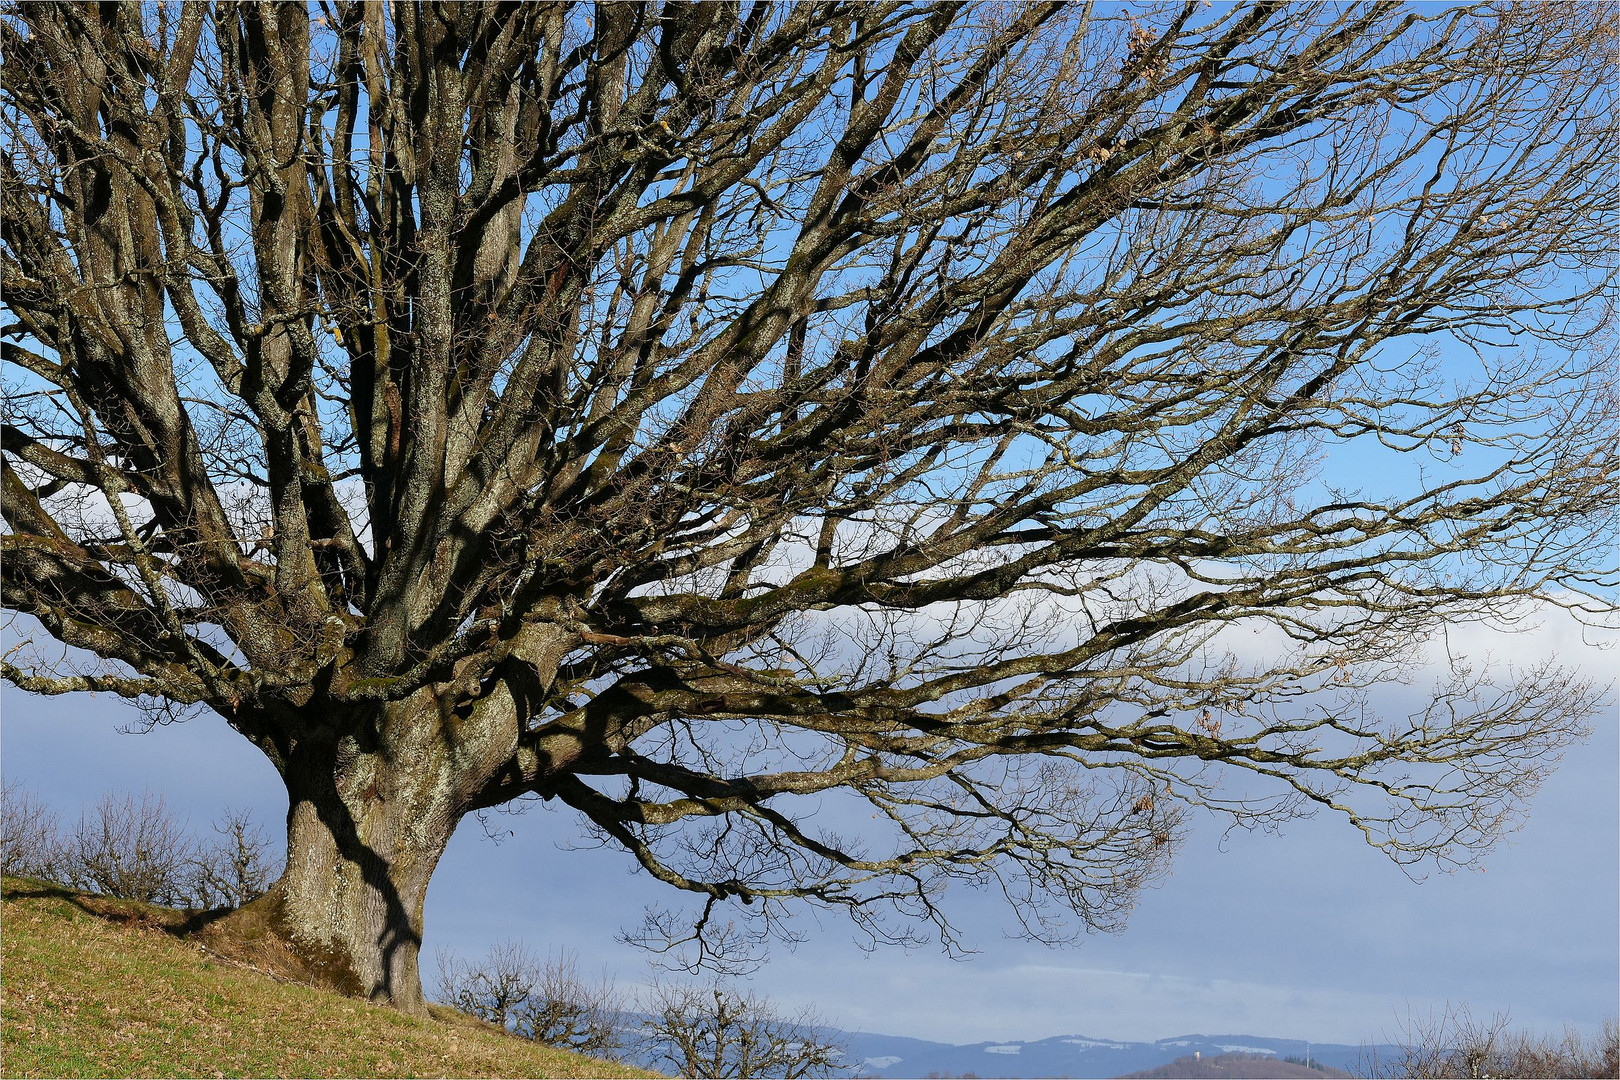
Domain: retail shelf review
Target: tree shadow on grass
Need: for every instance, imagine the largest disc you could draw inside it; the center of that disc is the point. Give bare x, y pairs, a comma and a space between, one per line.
137, 913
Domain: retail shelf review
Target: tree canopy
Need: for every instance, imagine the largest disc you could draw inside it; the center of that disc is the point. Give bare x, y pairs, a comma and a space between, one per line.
713, 416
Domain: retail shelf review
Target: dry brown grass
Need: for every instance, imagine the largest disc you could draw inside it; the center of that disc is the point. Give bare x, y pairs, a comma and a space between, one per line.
95, 987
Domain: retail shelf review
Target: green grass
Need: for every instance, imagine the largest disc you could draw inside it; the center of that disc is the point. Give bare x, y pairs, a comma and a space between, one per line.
94, 987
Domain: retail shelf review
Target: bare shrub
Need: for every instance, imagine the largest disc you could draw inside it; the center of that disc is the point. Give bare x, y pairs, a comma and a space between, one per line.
490, 990
1456, 1046
30, 841
713, 1031
134, 849
543, 1000
233, 869
571, 1012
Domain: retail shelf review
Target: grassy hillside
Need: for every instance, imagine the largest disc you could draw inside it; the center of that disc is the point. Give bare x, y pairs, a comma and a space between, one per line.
93, 987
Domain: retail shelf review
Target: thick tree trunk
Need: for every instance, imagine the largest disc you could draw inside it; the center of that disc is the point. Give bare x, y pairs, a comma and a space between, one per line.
365, 830
368, 818
360, 853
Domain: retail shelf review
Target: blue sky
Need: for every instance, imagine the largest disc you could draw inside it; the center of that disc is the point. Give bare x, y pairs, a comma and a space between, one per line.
1308, 934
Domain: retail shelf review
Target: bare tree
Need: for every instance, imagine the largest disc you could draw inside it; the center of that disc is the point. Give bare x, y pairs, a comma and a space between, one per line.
136, 850
718, 417
547, 1001
30, 839
493, 988
1456, 1046
572, 1012
234, 869
131, 849
713, 1031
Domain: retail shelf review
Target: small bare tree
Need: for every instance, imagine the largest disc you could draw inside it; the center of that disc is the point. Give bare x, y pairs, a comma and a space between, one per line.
234, 869
1456, 1046
133, 849
491, 989
30, 843
572, 1012
713, 1031
547, 1001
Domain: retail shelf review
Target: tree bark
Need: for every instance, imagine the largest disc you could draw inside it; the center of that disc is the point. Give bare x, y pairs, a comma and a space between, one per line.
369, 814
362, 843
358, 865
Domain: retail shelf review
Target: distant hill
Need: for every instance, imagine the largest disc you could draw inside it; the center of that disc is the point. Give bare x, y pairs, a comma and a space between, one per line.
1231, 1067
97, 987
886, 1056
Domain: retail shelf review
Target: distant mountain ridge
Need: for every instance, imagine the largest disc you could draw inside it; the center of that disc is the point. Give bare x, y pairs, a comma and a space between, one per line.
1239, 1067
894, 1056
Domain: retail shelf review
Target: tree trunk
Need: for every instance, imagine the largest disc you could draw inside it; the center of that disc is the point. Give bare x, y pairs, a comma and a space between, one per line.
360, 854
368, 817
363, 840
